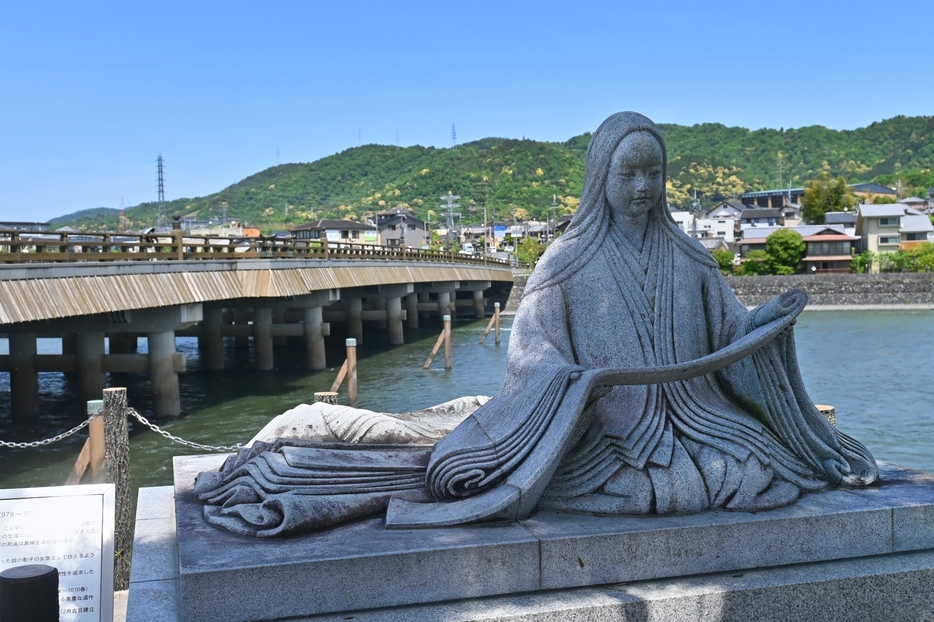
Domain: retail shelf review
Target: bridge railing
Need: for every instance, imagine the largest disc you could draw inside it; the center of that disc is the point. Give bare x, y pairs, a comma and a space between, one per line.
64, 246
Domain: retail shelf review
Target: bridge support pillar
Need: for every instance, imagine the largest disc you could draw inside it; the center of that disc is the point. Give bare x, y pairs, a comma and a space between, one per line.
444, 304
241, 316
424, 297
394, 317
212, 338
278, 317
411, 310
262, 338
119, 343
314, 339
24, 380
355, 319
478, 311
166, 401
93, 379
380, 305
70, 346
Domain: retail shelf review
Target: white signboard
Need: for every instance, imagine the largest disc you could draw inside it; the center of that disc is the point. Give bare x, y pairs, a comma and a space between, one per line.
72, 529
333, 235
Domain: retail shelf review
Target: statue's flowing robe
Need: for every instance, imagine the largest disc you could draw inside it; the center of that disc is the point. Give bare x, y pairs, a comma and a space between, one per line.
747, 437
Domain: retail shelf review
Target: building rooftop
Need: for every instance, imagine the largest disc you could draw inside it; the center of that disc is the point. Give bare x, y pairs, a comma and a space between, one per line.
868, 210
913, 223
333, 223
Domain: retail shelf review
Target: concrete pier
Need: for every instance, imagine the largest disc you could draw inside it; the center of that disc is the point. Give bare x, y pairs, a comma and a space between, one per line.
212, 336
394, 320
478, 311
262, 339
165, 396
355, 319
411, 310
24, 380
92, 378
314, 339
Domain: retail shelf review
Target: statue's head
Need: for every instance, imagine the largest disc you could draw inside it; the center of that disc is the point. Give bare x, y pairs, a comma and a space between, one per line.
626, 140
635, 180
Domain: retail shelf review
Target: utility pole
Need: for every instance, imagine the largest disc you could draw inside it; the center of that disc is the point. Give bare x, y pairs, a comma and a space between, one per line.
162, 222
486, 223
554, 217
449, 206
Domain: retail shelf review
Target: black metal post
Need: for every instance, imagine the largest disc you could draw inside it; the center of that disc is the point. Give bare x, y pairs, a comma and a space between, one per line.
29, 594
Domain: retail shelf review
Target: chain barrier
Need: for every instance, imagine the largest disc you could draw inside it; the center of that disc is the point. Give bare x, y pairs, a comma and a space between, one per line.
47, 441
152, 426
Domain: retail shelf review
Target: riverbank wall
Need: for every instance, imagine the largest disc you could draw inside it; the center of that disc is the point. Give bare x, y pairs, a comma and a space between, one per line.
824, 290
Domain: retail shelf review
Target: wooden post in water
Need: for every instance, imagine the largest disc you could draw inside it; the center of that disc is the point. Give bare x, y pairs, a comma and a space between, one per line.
116, 470
352, 373
494, 321
447, 342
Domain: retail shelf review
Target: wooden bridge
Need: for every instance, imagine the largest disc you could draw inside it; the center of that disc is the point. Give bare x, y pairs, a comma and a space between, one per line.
99, 292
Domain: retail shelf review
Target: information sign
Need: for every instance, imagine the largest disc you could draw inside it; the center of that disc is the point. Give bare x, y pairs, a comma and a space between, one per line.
499, 231
72, 529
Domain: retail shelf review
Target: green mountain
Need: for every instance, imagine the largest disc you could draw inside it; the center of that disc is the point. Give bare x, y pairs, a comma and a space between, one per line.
94, 214
526, 176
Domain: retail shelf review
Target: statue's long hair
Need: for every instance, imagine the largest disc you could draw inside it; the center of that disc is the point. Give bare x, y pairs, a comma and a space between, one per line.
593, 219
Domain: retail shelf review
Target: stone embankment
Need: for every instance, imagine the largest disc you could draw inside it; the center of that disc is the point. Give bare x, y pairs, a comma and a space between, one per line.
824, 290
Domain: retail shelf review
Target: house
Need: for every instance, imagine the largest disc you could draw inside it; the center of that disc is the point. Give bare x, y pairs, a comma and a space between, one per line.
915, 203
715, 244
772, 198
725, 209
914, 229
401, 227
869, 190
828, 250
754, 237
846, 218
760, 217
337, 231
892, 227
710, 224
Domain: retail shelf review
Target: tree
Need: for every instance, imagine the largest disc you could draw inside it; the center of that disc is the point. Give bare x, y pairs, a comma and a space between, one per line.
724, 259
785, 249
825, 195
756, 262
882, 199
530, 250
862, 263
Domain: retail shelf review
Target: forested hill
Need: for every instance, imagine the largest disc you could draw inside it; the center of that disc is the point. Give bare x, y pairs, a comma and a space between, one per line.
525, 175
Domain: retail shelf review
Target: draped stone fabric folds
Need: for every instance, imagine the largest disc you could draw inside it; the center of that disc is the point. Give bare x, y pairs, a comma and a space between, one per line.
743, 435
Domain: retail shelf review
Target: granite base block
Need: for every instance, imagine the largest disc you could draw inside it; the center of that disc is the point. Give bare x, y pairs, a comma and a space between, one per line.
560, 566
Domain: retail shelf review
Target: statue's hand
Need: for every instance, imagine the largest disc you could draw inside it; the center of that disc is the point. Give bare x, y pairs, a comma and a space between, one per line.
791, 302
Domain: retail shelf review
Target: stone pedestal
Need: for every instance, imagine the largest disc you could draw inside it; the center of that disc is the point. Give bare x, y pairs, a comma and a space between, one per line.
862, 554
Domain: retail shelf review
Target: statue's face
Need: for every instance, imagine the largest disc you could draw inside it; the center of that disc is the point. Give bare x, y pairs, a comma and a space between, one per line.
636, 181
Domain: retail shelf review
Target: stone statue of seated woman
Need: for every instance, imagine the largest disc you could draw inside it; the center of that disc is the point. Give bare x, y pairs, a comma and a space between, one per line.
636, 383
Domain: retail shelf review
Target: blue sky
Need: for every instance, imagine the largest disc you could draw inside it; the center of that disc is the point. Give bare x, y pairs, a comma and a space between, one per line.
92, 92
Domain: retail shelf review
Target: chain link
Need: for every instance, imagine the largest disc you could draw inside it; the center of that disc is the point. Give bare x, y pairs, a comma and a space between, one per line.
47, 441
152, 426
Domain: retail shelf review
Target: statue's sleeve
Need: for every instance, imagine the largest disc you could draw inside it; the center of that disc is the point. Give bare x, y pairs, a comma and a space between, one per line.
541, 334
